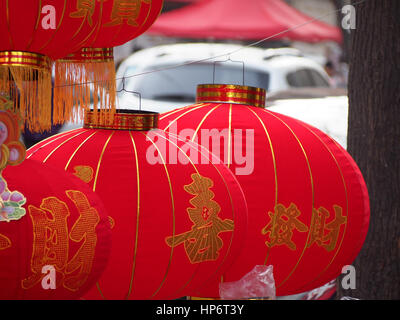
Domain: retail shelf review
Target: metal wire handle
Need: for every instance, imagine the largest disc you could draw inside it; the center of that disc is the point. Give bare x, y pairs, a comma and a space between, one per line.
228, 60
132, 92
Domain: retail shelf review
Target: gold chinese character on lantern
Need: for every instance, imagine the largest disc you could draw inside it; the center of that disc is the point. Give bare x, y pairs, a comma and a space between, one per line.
5, 242
51, 245
326, 234
282, 224
85, 10
202, 242
85, 173
126, 11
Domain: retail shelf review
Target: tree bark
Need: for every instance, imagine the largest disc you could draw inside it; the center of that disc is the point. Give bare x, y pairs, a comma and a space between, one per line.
374, 143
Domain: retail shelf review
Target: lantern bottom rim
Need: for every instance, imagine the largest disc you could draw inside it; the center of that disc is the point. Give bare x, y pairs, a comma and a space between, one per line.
25, 59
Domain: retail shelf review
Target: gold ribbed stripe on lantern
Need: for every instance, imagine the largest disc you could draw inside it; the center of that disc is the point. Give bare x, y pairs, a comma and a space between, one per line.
84, 80
24, 59
231, 93
124, 120
26, 78
91, 54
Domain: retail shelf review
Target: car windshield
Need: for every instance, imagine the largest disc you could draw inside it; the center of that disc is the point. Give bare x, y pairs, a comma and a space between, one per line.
180, 83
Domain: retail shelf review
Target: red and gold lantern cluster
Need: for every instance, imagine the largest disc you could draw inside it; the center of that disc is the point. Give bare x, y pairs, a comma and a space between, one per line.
308, 203
92, 68
50, 221
33, 35
40, 32
178, 215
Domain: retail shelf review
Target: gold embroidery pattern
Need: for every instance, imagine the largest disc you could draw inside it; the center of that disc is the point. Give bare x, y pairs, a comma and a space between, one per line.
202, 242
85, 173
83, 229
111, 221
51, 240
125, 11
5, 242
85, 10
319, 227
285, 220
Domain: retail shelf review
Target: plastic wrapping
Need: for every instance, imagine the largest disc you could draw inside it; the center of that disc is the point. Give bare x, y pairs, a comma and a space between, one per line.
258, 284
322, 293
348, 298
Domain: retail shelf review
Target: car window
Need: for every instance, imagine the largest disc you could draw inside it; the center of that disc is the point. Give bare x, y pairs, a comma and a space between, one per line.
319, 81
179, 84
299, 78
306, 78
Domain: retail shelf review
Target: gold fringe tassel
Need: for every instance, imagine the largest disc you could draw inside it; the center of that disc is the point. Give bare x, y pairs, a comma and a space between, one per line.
82, 86
30, 89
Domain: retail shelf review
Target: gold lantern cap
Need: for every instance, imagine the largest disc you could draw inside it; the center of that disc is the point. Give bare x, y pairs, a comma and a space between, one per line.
135, 120
231, 93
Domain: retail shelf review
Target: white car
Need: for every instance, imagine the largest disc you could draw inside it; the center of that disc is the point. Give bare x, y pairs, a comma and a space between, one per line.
166, 76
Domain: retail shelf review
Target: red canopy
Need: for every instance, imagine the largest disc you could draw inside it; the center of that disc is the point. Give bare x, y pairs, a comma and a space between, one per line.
246, 20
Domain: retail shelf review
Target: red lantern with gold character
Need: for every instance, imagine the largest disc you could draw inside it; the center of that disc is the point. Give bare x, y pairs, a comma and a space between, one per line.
55, 237
92, 67
178, 214
308, 203
32, 35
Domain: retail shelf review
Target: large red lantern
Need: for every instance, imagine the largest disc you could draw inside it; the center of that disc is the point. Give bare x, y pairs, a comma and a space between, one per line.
32, 36
308, 203
178, 214
55, 237
92, 67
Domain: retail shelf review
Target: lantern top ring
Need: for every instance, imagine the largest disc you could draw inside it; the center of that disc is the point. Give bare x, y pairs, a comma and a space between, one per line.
231, 93
25, 59
134, 120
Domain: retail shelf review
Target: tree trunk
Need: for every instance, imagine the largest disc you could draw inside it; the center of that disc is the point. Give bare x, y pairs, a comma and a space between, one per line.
374, 143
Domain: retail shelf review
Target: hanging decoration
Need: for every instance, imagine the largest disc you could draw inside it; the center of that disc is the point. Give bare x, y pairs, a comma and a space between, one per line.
12, 150
178, 214
55, 238
34, 34
87, 76
308, 203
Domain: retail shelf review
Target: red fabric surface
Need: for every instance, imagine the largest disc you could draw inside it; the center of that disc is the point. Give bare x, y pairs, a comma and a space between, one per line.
21, 260
148, 204
294, 163
112, 35
21, 26
237, 19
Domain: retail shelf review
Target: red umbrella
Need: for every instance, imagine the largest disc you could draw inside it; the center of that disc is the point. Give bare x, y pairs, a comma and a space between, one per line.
245, 20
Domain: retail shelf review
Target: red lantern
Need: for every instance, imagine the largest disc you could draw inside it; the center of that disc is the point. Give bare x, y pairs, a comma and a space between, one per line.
55, 237
33, 35
178, 214
308, 203
92, 67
